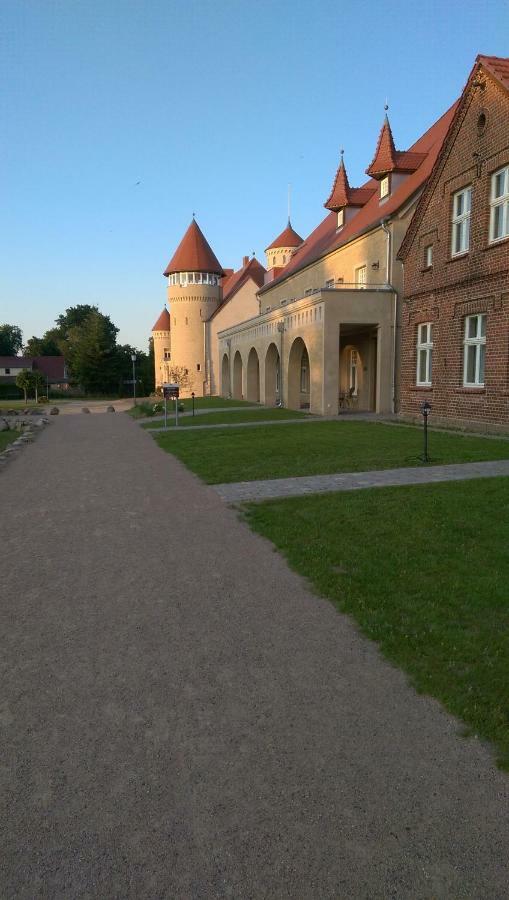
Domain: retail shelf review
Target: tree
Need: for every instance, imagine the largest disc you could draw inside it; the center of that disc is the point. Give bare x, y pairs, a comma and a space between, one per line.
45, 346
24, 381
92, 353
180, 375
11, 340
38, 383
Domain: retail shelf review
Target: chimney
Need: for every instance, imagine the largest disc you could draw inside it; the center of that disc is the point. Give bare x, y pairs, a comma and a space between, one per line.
245, 260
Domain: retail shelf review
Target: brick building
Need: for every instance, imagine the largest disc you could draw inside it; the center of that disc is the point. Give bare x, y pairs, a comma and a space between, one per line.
455, 314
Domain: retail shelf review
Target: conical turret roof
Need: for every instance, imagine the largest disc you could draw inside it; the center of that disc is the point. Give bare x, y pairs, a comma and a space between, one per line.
287, 238
164, 321
388, 159
343, 195
194, 254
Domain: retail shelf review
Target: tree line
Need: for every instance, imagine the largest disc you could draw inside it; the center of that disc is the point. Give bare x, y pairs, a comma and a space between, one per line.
87, 339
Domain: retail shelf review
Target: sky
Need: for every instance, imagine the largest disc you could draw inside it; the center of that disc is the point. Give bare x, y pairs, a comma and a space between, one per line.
120, 118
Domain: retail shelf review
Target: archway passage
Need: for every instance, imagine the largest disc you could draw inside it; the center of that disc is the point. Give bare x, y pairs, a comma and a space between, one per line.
237, 376
253, 376
299, 376
272, 376
225, 376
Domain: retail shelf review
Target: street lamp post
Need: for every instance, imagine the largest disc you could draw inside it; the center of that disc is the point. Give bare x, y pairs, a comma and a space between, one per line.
133, 359
425, 410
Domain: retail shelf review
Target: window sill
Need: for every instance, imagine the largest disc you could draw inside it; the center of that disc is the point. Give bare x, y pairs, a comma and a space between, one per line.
457, 256
474, 389
497, 243
423, 387
427, 269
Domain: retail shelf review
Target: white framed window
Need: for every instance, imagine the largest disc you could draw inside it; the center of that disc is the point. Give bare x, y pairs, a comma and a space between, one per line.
341, 218
461, 208
499, 203
352, 371
361, 276
424, 353
474, 350
428, 256
384, 187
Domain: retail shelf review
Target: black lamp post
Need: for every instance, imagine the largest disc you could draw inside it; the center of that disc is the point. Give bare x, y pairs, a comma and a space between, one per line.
425, 410
133, 360
192, 396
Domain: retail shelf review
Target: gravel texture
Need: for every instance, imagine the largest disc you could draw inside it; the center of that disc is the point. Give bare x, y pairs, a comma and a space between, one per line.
182, 718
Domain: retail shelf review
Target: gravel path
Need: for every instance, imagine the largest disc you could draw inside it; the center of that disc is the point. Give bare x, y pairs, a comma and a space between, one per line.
182, 718
267, 489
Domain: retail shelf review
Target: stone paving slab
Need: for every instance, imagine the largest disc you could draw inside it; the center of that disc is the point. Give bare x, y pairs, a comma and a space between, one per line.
183, 718
235, 424
238, 492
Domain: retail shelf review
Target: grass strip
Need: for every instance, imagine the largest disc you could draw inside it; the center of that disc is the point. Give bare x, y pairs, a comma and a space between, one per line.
424, 571
230, 418
319, 448
147, 409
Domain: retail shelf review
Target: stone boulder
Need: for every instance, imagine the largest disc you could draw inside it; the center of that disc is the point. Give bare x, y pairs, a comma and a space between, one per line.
54, 411
4, 426
110, 409
85, 409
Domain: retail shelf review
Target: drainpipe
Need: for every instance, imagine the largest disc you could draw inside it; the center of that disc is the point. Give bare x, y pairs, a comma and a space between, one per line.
281, 329
386, 229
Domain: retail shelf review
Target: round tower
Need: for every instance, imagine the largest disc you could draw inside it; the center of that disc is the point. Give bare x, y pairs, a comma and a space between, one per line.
280, 251
194, 293
162, 348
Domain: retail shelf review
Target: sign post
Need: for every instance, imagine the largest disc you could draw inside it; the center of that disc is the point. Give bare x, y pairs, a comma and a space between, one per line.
425, 410
171, 392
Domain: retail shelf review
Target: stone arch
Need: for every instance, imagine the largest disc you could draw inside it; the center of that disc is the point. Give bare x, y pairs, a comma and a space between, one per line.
253, 376
299, 376
225, 376
237, 376
272, 376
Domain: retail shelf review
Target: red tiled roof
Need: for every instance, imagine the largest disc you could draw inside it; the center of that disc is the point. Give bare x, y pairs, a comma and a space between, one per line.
287, 238
325, 238
51, 366
498, 67
194, 254
343, 195
164, 321
251, 269
16, 362
388, 159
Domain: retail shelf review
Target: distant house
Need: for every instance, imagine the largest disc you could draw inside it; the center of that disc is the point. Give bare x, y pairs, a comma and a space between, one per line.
53, 368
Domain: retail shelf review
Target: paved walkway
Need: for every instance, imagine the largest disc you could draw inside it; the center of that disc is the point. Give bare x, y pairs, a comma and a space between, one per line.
182, 718
240, 491
236, 424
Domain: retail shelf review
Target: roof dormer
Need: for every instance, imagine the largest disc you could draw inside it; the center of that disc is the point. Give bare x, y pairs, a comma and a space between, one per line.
390, 166
345, 200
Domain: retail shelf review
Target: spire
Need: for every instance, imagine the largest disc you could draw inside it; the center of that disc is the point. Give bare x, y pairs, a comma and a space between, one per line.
194, 254
386, 156
342, 194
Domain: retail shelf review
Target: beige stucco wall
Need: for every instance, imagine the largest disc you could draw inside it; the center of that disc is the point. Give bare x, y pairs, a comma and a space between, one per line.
190, 307
243, 305
162, 342
278, 256
315, 320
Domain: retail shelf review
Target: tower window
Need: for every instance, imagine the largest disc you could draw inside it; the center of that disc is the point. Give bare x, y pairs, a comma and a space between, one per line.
273, 260
341, 218
284, 259
198, 367
187, 321
174, 321
384, 187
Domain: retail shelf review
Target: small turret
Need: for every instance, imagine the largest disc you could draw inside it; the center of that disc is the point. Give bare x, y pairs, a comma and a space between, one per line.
194, 293
281, 249
162, 347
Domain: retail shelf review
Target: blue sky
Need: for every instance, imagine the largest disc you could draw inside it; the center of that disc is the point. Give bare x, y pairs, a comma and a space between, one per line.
214, 106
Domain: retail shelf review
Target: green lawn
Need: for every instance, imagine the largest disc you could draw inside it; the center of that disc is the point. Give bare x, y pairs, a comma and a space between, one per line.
424, 570
146, 409
231, 418
314, 448
7, 437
